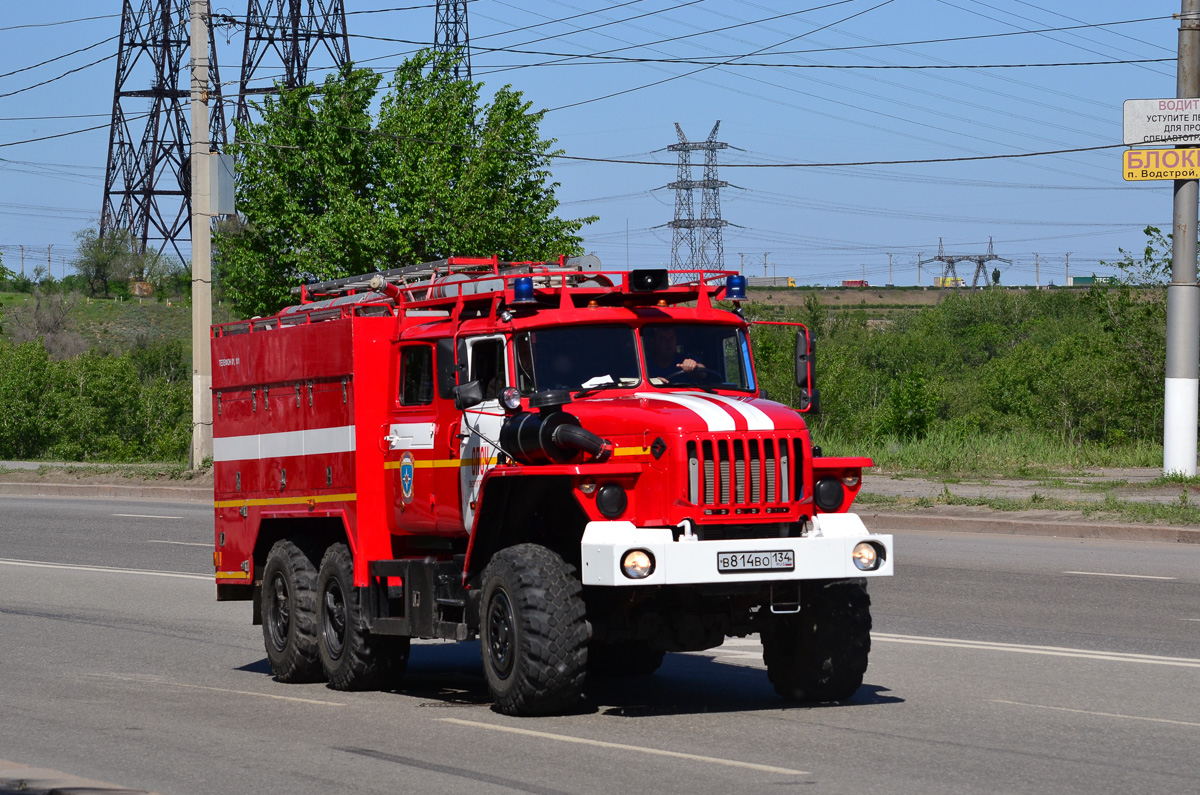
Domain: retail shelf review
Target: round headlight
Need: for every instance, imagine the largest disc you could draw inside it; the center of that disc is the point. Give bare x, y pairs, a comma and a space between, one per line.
866, 556
828, 494
511, 398
611, 500
637, 564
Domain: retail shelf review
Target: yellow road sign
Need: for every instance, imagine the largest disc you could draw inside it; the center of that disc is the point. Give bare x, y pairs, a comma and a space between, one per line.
1146, 164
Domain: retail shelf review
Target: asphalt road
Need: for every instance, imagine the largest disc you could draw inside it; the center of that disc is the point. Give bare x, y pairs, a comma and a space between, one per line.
1000, 664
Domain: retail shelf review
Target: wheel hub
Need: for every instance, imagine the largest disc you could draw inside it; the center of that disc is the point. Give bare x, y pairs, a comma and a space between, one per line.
279, 614
335, 619
501, 635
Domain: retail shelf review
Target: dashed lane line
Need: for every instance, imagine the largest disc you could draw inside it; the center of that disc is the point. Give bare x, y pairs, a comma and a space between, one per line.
1126, 576
1017, 648
1052, 651
145, 516
178, 543
37, 564
1098, 714
143, 680
565, 738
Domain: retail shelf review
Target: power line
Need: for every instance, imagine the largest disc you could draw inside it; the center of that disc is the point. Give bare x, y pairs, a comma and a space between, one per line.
62, 22
712, 66
953, 39
59, 77
560, 19
60, 57
63, 135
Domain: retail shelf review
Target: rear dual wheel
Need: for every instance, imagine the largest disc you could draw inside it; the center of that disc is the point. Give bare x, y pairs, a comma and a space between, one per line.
351, 657
289, 613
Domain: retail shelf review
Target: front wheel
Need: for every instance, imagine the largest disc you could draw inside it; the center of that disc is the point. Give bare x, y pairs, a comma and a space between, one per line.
820, 653
533, 632
353, 658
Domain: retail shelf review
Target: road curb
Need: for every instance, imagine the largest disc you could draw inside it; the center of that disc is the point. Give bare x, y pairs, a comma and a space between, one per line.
900, 522
107, 490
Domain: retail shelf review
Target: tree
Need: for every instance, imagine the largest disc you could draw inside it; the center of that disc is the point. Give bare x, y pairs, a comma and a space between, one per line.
327, 190
995, 276
100, 260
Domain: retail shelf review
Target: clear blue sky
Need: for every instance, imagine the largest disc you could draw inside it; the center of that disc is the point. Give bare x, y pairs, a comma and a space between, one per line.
819, 225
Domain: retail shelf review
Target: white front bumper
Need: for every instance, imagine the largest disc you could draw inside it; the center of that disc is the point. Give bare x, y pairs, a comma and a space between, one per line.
825, 554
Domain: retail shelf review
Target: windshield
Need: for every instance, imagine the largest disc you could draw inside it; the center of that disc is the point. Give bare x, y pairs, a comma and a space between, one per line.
575, 358
680, 354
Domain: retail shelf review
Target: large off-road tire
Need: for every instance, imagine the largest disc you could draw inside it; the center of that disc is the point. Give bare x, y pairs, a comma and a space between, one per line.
630, 658
289, 614
533, 631
820, 653
353, 658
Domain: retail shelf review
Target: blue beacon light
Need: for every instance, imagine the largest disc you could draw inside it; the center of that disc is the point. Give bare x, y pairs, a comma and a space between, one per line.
735, 288
523, 292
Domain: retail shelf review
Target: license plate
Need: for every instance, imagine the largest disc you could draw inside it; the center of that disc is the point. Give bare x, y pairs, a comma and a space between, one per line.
737, 562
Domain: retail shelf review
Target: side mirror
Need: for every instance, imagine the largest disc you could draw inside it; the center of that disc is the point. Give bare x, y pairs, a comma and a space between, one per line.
806, 365
467, 395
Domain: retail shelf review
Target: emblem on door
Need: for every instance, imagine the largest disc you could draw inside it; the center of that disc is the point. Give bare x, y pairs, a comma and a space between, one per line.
407, 470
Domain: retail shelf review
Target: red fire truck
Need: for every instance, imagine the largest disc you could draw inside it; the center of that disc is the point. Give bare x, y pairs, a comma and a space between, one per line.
578, 468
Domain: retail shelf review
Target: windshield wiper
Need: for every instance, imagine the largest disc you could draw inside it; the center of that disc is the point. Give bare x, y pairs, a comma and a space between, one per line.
597, 388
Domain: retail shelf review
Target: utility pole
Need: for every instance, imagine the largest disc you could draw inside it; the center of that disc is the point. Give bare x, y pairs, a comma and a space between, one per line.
890, 269
49, 267
202, 445
1180, 409
919, 268
22, 262
741, 262
1037, 275
765, 253
1067, 274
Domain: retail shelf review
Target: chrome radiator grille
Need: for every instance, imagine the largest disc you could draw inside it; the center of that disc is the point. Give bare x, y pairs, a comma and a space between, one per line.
744, 476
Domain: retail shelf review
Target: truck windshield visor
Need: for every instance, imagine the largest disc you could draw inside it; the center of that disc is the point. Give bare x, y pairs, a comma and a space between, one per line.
688, 354
576, 358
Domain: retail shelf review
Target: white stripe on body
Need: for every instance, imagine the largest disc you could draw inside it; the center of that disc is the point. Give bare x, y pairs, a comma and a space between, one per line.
314, 441
714, 416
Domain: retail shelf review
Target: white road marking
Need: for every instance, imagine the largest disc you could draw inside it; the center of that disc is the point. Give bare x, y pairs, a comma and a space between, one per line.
1099, 714
145, 516
1129, 576
178, 543
564, 738
105, 569
1053, 651
1189, 619
152, 680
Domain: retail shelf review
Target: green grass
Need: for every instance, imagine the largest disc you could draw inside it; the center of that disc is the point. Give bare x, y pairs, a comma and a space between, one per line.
113, 326
1182, 512
1010, 455
149, 471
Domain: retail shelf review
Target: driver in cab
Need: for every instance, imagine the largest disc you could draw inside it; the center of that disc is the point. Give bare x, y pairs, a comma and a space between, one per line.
664, 362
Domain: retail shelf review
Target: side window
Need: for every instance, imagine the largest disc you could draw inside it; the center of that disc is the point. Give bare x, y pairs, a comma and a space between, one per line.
487, 366
416, 375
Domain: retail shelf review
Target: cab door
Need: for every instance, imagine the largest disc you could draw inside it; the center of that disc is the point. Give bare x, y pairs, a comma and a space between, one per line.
487, 363
411, 434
